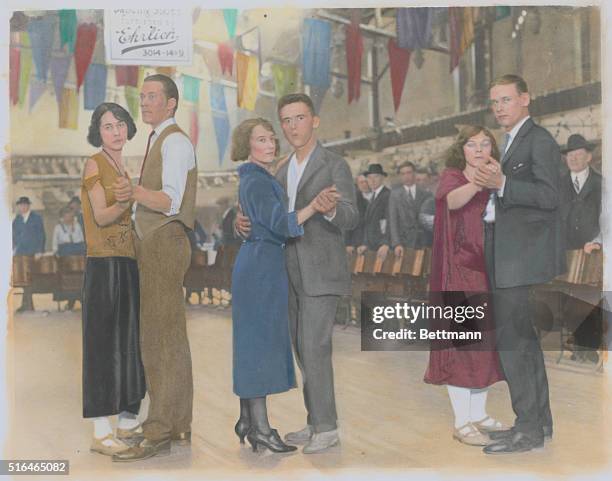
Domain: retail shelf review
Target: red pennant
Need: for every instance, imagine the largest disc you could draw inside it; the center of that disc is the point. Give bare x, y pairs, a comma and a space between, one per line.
83, 50
194, 128
126, 75
399, 61
15, 60
226, 58
354, 52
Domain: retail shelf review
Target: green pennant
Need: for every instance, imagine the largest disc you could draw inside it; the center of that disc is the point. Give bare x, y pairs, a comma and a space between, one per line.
132, 98
285, 79
231, 17
25, 67
68, 28
502, 12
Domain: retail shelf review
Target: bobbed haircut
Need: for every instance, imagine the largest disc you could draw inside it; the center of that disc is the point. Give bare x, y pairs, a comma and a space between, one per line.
510, 79
93, 137
241, 147
455, 157
294, 99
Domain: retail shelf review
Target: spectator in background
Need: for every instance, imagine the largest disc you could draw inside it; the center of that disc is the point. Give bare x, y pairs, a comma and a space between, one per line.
354, 238
422, 178
28, 240
427, 216
580, 194
68, 240
228, 236
197, 237
405, 204
376, 237
75, 205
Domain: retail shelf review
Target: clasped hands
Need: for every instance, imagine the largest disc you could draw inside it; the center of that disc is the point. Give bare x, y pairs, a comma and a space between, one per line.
489, 175
124, 191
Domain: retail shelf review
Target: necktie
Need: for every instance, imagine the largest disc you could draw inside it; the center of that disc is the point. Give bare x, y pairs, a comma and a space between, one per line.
145, 156
412, 193
577, 184
506, 145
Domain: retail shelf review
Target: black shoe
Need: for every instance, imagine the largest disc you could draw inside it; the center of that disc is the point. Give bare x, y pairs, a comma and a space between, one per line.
271, 441
501, 435
518, 443
241, 429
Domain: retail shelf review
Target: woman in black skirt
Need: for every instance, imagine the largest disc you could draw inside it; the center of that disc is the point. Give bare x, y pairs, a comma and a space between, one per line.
113, 376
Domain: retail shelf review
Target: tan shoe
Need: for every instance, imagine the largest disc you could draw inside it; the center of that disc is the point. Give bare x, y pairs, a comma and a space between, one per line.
469, 434
146, 449
489, 427
111, 447
134, 434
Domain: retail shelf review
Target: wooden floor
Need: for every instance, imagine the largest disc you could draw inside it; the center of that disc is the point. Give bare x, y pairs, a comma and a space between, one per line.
393, 426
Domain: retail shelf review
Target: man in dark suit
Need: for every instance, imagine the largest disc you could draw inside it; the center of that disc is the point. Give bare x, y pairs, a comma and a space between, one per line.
354, 238
580, 194
405, 203
376, 228
523, 247
28, 240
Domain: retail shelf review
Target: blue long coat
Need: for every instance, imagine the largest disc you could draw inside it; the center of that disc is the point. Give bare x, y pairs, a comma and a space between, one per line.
263, 362
28, 237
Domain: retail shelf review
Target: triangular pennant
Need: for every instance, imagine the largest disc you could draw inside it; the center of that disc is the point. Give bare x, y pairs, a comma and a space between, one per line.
354, 53
83, 50
126, 75
14, 69
247, 75
59, 72
25, 67
69, 110
285, 79
226, 58
317, 94
42, 31
37, 88
68, 27
399, 61
132, 98
191, 88
94, 91
231, 17
194, 127
316, 53
220, 118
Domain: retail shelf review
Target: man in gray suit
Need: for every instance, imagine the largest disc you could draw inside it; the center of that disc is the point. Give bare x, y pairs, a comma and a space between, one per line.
316, 263
406, 231
523, 247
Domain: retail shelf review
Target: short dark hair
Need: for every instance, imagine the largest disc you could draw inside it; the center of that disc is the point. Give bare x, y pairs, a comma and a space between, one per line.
422, 170
294, 99
406, 164
168, 86
93, 137
241, 147
455, 157
509, 79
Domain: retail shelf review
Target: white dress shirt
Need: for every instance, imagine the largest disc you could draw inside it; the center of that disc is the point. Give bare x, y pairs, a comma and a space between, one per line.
411, 191
63, 234
582, 177
294, 175
178, 158
490, 209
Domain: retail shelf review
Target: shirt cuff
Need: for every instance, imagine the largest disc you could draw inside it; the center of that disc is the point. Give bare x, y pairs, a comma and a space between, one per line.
500, 192
295, 229
330, 217
175, 205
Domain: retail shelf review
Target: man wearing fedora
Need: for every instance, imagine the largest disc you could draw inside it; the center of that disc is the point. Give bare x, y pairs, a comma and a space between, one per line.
28, 240
580, 194
376, 228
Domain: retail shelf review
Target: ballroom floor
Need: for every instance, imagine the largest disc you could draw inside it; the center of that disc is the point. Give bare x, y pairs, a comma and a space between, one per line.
393, 426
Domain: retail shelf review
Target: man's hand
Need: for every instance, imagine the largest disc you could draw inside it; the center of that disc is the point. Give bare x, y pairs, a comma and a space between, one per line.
325, 202
489, 175
361, 249
242, 224
123, 190
350, 249
589, 247
382, 252
399, 251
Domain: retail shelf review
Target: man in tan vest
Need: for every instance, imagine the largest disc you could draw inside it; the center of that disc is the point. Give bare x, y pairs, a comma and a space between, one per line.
164, 207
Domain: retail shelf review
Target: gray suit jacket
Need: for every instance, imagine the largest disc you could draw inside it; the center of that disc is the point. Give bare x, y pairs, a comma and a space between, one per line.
320, 253
529, 245
404, 226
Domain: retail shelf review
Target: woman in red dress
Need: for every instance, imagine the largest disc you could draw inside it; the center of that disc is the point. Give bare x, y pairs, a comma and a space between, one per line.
458, 264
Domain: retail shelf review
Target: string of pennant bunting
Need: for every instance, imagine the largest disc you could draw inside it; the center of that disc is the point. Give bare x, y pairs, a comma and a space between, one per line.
71, 48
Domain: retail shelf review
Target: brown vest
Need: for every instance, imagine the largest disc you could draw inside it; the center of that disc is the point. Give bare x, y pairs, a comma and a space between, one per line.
147, 220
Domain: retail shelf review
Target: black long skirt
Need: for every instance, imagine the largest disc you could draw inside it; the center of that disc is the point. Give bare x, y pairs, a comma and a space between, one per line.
113, 376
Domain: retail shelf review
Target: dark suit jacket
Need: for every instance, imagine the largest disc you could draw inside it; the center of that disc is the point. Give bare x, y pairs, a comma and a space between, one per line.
319, 256
404, 226
529, 245
355, 237
580, 212
28, 237
376, 224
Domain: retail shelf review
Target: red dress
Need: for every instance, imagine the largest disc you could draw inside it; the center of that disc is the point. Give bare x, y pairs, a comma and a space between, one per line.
458, 264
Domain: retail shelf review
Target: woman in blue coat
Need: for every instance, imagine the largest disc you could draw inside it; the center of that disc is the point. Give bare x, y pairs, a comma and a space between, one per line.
263, 362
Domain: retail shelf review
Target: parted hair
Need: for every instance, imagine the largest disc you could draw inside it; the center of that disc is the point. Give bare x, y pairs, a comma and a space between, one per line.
294, 99
168, 86
508, 79
93, 136
455, 158
241, 137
